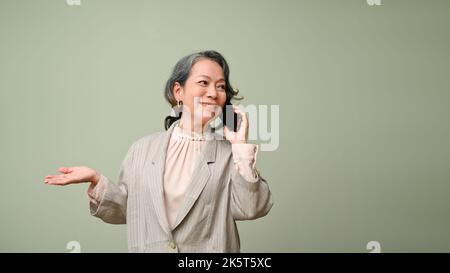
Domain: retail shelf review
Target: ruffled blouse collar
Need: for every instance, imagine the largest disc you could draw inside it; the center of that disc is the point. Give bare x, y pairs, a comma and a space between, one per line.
180, 133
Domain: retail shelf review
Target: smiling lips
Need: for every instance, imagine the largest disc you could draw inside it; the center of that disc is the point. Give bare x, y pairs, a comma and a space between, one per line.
208, 105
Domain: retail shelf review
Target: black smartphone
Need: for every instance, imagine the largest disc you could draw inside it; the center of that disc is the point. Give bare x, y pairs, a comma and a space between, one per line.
230, 118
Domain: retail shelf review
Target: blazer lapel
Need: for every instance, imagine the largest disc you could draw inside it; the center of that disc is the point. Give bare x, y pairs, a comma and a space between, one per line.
154, 175
200, 177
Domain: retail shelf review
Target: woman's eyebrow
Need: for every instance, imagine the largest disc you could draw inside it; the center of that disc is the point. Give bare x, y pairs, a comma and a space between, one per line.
206, 76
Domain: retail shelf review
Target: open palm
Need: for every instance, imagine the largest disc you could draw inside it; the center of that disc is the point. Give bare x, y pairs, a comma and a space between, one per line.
72, 175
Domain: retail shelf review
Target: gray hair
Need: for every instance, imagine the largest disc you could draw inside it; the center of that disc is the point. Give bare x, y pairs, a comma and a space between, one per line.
181, 73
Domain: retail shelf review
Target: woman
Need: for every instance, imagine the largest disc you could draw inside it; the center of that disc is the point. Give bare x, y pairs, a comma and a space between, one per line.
183, 189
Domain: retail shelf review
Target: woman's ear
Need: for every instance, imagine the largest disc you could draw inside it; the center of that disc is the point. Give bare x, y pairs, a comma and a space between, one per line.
178, 91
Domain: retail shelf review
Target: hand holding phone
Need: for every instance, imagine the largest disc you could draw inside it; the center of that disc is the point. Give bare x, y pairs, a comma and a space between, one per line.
231, 119
236, 127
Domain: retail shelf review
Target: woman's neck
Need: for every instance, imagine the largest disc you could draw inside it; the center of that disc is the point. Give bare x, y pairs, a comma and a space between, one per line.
194, 128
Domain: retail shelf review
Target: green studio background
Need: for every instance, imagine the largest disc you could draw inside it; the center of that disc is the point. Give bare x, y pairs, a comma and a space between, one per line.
364, 103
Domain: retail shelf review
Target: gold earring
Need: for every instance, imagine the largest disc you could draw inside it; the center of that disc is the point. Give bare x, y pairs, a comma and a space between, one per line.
179, 108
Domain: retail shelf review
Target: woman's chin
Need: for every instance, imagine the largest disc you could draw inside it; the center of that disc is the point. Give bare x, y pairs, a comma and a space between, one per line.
208, 118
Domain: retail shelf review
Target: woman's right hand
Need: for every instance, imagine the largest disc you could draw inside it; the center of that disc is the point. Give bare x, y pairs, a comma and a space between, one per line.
73, 175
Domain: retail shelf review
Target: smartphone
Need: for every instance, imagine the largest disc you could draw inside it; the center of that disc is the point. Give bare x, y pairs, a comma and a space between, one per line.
230, 118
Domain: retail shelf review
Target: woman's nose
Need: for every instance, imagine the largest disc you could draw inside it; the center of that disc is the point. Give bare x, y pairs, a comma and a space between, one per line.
211, 92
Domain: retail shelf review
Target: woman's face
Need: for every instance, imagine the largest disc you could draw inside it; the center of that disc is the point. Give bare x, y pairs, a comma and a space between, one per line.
204, 93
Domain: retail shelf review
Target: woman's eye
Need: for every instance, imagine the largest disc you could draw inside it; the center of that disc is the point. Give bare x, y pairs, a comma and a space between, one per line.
222, 87
203, 82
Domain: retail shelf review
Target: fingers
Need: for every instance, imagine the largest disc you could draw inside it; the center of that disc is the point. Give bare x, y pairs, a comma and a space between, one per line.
56, 180
240, 136
49, 178
243, 124
242, 114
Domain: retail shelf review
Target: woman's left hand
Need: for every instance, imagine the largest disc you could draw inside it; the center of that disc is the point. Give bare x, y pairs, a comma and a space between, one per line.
242, 134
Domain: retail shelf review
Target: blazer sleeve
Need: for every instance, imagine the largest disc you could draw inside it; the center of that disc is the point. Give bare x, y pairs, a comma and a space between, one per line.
249, 200
110, 199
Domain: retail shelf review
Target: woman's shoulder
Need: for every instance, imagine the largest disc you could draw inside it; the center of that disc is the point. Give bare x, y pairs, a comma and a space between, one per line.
148, 138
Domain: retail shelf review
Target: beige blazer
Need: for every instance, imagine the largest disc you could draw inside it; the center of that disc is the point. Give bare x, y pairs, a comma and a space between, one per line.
217, 196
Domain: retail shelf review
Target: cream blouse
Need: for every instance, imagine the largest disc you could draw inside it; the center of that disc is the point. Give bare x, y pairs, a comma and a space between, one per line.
182, 153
